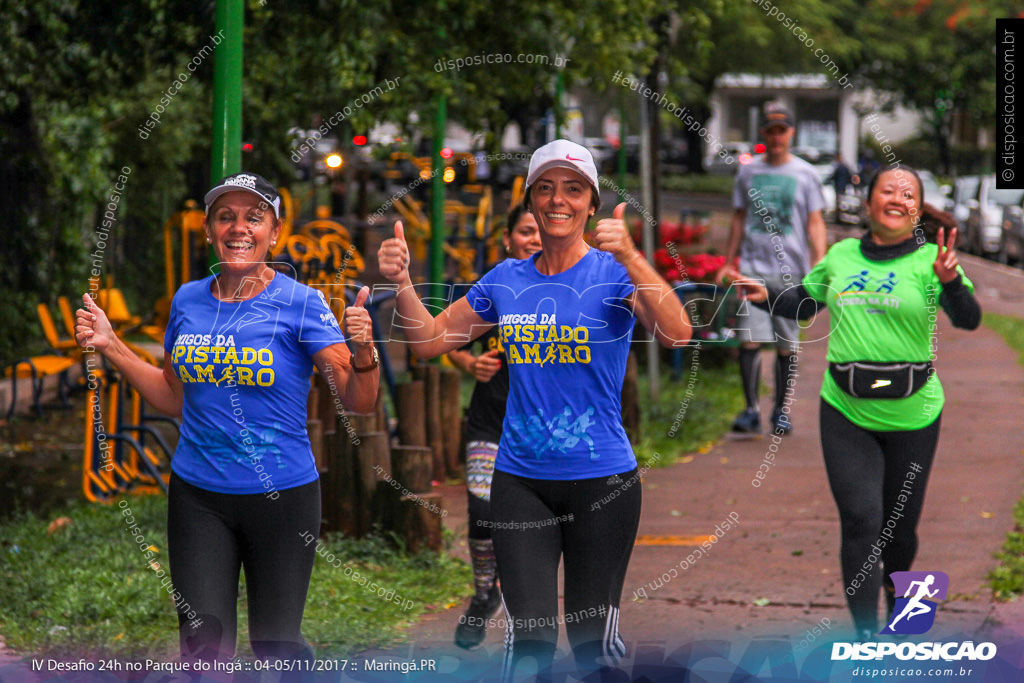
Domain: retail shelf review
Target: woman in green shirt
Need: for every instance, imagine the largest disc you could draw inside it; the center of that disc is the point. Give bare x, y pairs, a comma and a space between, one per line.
881, 402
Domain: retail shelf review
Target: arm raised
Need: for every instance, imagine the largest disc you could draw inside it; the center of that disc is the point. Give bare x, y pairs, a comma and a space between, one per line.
162, 389
656, 306
429, 336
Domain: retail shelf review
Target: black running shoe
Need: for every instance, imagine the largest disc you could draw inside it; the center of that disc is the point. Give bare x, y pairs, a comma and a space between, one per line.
472, 628
747, 422
780, 422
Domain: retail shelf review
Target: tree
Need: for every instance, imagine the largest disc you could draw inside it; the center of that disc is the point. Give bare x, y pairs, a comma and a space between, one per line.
935, 56
78, 78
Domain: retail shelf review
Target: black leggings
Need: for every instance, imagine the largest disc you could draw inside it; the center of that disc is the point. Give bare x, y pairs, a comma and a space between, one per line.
592, 523
210, 536
878, 480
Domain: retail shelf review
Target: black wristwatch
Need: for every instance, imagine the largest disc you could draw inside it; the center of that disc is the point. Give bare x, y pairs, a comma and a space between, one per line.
371, 366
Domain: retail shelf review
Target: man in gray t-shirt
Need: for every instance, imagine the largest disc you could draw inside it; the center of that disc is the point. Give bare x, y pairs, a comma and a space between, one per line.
778, 232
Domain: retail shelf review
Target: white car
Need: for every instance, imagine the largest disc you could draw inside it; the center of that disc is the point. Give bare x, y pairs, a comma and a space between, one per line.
823, 166
736, 155
965, 189
985, 222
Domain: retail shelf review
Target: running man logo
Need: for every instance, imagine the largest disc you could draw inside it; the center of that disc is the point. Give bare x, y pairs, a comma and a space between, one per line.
914, 612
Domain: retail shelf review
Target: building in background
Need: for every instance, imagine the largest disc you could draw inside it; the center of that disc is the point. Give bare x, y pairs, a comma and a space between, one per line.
829, 118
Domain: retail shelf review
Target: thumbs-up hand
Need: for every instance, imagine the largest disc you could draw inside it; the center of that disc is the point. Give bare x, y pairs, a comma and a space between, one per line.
92, 327
358, 327
393, 256
611, 235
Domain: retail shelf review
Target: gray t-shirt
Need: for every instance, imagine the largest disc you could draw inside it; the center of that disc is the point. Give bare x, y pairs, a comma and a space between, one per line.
777, 200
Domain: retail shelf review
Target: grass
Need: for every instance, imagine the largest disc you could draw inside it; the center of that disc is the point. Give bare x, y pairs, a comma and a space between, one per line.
86, 588
1008, 577
1010, 328
677, 424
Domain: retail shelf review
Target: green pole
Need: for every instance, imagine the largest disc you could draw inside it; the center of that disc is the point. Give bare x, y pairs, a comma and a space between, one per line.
226, 156
437, 204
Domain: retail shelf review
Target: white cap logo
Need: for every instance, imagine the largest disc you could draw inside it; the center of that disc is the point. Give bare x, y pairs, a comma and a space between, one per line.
242, 181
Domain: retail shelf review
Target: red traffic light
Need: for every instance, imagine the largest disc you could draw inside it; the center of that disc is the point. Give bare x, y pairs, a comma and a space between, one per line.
359, 140
246, 146
759, 148
446, 153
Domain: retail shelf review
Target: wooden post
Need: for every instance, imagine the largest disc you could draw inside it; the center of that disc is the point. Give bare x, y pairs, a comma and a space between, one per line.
420, 521
412, 466
362, 423
410, 400
339, 490
431, 375
463, 424
337, 485
373, 470
451, 418
382, 417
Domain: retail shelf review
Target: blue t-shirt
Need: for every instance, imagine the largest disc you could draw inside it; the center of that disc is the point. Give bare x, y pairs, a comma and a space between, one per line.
245, 367
566, 338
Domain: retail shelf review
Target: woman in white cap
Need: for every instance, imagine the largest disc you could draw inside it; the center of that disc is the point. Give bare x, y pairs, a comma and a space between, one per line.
240, 349
565, 484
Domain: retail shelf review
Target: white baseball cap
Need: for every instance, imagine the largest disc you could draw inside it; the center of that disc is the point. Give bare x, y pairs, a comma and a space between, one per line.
246, 182
564, 154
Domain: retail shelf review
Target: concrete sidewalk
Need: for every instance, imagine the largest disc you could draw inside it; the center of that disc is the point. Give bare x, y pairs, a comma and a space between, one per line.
777, 572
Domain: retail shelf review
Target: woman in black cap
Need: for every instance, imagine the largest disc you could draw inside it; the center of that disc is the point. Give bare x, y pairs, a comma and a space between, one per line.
239, 350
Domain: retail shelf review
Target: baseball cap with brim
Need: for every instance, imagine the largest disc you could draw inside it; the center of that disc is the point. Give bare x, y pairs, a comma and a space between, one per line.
776, 115
246, 182
564, 154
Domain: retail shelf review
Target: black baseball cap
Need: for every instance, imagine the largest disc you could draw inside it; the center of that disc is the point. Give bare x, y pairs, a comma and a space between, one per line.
776, 115
246, 182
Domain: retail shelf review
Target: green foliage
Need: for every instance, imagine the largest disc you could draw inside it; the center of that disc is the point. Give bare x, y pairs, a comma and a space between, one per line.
1010, 328
78, 78
88, 588
923, 153
1008, 577
933, 57
678, 424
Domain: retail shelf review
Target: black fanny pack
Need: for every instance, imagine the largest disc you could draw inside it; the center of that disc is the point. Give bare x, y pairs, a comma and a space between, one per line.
864, 379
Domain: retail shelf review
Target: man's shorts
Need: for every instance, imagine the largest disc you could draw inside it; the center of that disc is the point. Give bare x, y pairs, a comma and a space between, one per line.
756, 325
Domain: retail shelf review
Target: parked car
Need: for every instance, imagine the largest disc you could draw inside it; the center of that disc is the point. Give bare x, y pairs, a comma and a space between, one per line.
850, 204
985, 222
1013, 233
828, 191
737, 154
965, 189
935, 194
604, 154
